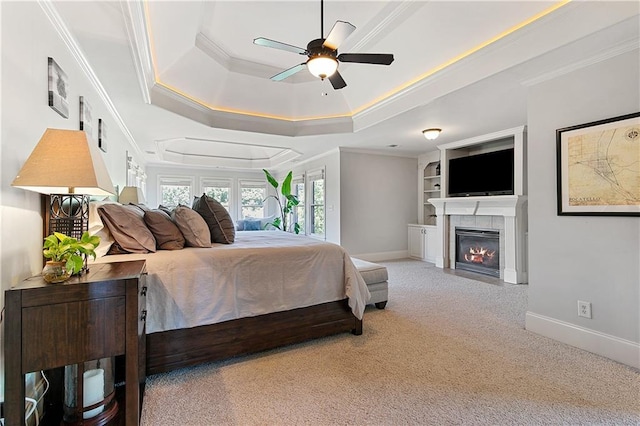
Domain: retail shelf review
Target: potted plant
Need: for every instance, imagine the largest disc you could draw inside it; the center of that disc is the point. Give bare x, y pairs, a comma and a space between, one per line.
66, 254
286, 205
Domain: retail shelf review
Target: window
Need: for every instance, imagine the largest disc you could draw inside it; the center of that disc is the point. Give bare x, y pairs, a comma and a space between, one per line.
252, 195
316, 203
175, 190
297, 189
219, 189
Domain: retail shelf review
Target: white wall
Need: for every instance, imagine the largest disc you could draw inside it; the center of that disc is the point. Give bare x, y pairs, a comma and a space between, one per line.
28, 38
378, 195
588, 258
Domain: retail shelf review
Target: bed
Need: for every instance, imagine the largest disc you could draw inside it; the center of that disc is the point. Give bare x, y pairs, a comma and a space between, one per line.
267, 289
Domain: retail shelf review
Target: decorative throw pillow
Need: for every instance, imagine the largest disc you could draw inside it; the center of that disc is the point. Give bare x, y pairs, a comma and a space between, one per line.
240, 225
218, 219
193, 227
252, 225
166, 233
126, 224
167, 210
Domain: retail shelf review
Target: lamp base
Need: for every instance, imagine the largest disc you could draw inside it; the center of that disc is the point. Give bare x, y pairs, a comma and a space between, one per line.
68, 214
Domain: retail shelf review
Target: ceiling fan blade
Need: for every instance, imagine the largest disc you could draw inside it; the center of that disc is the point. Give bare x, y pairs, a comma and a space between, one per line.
340, 31
367, 58
337, 81
261, 41
289, 72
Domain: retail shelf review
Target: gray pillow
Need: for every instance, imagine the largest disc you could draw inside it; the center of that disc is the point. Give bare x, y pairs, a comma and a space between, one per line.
193, 227
166, 233
218, 219
126, 224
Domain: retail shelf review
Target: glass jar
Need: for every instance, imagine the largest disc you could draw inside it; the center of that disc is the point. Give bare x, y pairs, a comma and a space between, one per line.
55, 272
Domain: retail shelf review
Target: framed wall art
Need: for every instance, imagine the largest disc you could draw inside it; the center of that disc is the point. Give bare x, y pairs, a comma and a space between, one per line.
102, 135
58, 89
599, 167
86, 121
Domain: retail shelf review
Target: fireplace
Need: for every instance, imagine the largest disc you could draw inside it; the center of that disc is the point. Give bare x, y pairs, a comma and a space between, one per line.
478, 250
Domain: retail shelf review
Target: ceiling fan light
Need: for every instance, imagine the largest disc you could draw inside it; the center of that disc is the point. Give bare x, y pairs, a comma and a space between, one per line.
431, 134
322, 66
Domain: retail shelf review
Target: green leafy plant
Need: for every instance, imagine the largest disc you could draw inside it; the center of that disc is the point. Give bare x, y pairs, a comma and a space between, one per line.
286, 204
61, 248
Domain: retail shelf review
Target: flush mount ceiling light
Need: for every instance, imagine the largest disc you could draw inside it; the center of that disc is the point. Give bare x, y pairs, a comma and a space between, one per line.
322, 66
431, 134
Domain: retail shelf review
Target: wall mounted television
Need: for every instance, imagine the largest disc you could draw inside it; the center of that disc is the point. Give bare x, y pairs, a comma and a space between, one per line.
484, 174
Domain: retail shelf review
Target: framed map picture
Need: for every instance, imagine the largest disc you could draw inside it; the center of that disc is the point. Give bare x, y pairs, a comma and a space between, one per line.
599, 167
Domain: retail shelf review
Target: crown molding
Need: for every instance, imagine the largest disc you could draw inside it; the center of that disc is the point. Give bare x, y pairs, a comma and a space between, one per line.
135, 23
625, 47
74, 48
165, 97
278, 157
243, 66
389, 18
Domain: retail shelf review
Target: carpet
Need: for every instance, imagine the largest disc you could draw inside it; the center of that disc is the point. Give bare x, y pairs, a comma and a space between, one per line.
447, 350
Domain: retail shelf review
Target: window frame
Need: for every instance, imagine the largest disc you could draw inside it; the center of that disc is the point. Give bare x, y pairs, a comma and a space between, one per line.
211, 181
251, 183
302, 202
179, 180
312, 176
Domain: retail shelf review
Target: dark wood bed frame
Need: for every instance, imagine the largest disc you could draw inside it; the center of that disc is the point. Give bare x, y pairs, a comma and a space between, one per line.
169, 350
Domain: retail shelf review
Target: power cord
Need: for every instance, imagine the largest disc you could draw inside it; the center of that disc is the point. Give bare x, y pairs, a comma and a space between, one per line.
34, 403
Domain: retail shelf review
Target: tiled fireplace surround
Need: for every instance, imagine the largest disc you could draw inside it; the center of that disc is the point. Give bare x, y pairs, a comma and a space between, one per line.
494, 223
504, 213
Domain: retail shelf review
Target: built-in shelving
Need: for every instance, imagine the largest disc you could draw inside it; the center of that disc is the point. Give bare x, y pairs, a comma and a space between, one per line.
430, 187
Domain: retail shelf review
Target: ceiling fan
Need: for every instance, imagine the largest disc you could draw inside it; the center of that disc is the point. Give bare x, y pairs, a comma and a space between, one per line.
323, 53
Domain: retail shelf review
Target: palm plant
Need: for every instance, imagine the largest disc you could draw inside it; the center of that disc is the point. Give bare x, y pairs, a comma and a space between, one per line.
286, 204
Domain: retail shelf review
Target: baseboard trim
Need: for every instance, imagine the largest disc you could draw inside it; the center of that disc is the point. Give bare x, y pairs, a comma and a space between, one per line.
386, 255
606, 345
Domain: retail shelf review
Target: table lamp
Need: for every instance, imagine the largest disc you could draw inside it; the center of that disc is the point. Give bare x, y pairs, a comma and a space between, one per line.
68, 167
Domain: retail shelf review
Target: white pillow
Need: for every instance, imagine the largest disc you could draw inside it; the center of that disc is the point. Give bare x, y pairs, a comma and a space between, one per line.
96, 227
268, 219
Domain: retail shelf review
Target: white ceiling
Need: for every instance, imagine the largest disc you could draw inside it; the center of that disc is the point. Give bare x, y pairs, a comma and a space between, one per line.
190, 87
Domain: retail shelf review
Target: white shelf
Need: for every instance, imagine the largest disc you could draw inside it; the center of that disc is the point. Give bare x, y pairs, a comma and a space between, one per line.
431, 190
432, 177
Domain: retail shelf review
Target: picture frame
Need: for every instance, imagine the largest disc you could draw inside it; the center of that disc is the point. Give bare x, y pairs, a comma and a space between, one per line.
598, 167
86, 119
58, 87
102, 135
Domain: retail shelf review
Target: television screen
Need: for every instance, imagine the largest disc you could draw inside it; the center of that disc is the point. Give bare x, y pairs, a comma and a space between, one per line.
490, 173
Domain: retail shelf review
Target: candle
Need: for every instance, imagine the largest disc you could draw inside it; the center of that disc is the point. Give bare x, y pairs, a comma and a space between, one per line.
93, 391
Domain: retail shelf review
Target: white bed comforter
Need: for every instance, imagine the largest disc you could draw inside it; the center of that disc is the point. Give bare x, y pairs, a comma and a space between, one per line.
262, 272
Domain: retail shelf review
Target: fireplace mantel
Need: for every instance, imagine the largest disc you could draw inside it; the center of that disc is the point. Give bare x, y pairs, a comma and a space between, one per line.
498, 205
511, 207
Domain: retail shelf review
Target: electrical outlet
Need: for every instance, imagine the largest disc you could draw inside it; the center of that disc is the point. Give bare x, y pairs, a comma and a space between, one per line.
584, 309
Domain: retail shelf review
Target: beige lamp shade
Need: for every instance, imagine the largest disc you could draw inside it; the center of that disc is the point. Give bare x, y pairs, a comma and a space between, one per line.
65, 162
131, 194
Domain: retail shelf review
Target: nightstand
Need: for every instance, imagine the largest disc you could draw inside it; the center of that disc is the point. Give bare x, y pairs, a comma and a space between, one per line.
99, 314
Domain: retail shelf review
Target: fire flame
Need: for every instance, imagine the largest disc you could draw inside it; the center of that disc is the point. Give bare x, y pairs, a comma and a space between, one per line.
478, 255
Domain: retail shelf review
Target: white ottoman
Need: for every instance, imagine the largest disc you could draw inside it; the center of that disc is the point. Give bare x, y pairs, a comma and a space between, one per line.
375, 276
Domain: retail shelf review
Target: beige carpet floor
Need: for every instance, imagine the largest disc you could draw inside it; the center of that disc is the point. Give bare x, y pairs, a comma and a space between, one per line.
447, 350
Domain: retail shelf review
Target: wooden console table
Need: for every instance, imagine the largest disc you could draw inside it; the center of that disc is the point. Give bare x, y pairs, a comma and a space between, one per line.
99, 314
